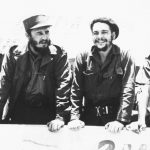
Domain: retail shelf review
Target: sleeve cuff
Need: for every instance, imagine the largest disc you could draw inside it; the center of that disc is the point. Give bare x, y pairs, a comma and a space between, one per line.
75, 117
59, 117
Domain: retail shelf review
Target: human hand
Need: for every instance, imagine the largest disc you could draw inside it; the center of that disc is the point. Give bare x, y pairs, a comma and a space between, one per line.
114, 126
55, 125
76, 124
136, 127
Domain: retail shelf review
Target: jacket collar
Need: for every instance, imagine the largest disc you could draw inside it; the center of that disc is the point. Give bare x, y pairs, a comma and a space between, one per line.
53, 50
49, 57
115, 50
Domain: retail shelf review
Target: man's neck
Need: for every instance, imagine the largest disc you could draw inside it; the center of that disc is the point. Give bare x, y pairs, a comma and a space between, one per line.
104, 54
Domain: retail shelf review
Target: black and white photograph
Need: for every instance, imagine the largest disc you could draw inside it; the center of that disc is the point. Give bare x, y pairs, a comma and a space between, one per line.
75, 75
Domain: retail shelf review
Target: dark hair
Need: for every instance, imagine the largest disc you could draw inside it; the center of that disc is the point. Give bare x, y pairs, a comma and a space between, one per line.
103, 20
113, 26
29, 32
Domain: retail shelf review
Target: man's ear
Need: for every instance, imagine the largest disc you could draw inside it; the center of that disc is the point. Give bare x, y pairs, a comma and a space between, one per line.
113, 35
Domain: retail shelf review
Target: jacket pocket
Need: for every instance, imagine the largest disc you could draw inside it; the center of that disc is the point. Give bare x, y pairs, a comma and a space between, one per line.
112, 83
90, 80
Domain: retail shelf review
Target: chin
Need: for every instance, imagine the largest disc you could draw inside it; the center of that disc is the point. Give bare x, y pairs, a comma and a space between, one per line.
102, 48
44, 46
100, 45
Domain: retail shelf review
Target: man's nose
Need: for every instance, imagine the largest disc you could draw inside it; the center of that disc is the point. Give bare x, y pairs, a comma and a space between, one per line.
100, 35
44, 37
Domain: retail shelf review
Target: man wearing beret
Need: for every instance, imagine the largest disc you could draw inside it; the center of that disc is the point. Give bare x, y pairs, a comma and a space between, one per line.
104, 77
36, 83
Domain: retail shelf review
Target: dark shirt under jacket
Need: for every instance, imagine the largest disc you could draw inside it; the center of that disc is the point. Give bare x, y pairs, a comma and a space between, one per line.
102, 84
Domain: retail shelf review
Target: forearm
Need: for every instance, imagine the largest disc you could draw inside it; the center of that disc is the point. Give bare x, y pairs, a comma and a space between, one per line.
63, 83
76, 96
6, 77
76, 100
126, 103
128, 90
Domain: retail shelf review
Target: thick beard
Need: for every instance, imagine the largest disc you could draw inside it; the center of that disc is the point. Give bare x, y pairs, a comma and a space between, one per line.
42, 51
102, 49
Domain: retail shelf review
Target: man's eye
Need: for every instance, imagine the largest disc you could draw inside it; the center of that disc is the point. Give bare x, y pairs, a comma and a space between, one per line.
46, 32
104, 32
95, 33
39, 33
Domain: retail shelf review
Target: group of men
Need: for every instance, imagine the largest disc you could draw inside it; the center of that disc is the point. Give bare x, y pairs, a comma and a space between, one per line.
37, 85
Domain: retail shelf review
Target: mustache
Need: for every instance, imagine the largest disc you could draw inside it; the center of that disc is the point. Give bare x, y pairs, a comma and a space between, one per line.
99, 40
44, 42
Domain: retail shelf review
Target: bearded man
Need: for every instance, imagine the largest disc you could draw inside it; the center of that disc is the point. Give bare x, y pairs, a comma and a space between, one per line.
104, 78
36, 83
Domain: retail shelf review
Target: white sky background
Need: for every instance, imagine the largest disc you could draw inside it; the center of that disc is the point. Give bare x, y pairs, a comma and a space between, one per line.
71, 18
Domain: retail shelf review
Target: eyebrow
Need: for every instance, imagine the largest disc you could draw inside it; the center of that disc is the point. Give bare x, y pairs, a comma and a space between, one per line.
101, 30
42, 31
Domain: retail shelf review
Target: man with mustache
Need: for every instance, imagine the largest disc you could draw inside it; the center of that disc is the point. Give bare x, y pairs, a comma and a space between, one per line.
104, 77
36, 82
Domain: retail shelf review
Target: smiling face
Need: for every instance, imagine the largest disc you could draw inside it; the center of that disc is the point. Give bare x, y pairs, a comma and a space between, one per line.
39, 39
102, 36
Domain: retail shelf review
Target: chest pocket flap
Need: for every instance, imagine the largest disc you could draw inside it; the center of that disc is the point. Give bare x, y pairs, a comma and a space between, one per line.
119, 71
